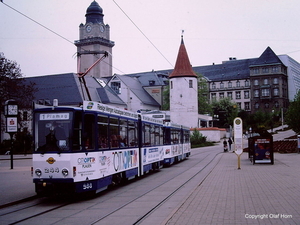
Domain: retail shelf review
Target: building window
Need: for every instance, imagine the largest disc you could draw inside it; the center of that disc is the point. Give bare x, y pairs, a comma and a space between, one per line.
266, 105
222, 85
276, 92
266, 81
256, 106
246, 94
247, 83
265, 70
239, 105
255, 82
229, 95
265, 92
171, 84
275, 80
238, 84
214, 96
116, 86
238, 95
229, 84
221, 95
213, 86
247, 105
275, 69
276, 104
190, 84
256, 71
256, 93
151, 82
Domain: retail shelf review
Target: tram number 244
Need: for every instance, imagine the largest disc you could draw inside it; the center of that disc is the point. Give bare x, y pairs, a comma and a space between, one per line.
87, 186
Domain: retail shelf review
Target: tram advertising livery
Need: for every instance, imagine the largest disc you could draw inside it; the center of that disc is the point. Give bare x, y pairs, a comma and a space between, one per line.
88, 148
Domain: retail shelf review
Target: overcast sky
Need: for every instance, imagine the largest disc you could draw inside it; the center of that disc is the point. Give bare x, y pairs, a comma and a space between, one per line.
213, 31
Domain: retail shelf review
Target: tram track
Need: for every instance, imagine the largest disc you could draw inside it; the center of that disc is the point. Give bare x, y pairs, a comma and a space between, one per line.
165, 199
46, 207
140, 220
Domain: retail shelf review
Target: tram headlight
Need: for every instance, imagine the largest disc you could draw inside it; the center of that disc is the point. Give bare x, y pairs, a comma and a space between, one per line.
38, 172
65, 172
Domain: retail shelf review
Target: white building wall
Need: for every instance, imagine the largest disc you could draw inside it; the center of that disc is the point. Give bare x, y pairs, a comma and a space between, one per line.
184, 101
293, 72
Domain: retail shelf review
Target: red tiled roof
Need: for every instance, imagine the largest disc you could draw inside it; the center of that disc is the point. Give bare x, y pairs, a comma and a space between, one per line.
183, 66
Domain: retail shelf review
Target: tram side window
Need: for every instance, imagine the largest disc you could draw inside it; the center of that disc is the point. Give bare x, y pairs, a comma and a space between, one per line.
102, 131
146, 135
132, 133
123, 142
114, 132
89, 131
161, 136
175, 136
157, 135
167, 136
152, 134
186, 136
76, 138
179, 137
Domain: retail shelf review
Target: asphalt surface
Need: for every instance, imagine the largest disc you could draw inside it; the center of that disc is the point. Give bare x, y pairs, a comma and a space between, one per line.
254, 194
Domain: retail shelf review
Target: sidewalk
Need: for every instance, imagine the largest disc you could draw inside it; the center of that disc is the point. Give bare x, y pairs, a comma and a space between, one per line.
255, 194
16, 183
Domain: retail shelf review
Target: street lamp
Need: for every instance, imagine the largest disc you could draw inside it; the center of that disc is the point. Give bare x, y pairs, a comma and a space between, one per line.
11, 115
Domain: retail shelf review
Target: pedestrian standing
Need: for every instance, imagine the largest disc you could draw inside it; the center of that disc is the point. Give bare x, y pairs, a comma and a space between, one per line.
229, 143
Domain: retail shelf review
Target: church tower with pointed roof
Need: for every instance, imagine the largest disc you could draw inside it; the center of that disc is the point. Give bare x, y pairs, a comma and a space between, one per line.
183, 91
94, 37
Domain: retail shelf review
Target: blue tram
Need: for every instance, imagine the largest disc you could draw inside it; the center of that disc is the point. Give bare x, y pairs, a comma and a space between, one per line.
88, 148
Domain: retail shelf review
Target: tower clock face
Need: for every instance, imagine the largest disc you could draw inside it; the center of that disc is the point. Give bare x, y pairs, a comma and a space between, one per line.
88, 28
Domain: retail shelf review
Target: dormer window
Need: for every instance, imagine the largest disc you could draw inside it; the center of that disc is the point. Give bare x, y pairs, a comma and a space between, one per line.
116, 86
151, 82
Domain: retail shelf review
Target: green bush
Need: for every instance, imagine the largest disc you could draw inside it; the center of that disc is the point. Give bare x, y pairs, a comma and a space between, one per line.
197, 139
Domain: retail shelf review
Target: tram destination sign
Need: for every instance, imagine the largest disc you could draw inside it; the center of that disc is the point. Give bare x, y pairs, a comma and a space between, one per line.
89, 105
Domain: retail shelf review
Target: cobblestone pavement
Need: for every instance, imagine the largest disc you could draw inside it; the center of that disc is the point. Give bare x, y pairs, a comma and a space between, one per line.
255, 194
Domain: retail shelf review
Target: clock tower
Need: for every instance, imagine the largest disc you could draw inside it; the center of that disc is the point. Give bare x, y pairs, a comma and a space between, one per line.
94, 39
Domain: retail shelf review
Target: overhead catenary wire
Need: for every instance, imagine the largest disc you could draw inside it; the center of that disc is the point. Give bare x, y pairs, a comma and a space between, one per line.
142, 33
52, 31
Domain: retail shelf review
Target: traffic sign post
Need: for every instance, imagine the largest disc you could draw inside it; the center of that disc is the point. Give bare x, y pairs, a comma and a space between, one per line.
11, 113
238, 139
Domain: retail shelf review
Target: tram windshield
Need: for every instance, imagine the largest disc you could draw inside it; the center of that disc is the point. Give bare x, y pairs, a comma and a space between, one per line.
52, 131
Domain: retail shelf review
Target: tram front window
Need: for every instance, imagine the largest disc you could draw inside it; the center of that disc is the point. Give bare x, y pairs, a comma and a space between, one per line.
52, 131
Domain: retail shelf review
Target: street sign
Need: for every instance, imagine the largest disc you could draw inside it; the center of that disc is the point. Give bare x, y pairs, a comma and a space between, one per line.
11, 124
238, 138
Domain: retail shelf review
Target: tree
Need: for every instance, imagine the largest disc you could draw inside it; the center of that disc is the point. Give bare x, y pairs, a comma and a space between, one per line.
292, 117
226, 110
203, 101
12, 86
166, 98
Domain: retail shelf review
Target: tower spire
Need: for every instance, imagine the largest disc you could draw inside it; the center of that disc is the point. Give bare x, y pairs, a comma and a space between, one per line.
183, 66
